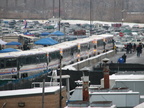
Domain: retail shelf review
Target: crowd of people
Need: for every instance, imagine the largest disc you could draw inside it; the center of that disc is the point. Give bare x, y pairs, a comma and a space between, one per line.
129, 49
133, 47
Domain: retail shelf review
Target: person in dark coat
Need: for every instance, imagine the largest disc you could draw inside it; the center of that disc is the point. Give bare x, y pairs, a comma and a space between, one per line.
141, 46
124, 57
130, 47
134, 47
127, 48
139, 50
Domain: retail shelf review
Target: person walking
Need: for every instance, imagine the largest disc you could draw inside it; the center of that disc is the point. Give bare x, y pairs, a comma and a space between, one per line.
130, 48
141, 47
127, 48
134, 47
139, 50
124, 57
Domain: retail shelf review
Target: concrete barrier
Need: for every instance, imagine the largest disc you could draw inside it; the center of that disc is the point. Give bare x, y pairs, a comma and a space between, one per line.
90, 61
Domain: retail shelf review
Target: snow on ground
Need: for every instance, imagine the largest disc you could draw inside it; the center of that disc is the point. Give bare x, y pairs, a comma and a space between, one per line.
50, 89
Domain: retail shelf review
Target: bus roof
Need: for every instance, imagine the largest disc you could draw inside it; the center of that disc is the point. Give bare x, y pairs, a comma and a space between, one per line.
30, 37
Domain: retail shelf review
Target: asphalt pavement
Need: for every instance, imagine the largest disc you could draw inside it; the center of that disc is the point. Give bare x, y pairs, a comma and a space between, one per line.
131, 57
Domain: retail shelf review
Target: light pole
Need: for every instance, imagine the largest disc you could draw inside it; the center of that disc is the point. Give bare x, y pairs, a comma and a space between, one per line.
43, 93
53, 7
90, 17
61, 53
18, 69
47, 60
104, 43
122, 12
60, 95
122, 16
78, 56
19, 65
59, 14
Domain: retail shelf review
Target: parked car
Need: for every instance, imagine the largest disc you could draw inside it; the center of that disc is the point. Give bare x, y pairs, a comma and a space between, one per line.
136, 41
119, 46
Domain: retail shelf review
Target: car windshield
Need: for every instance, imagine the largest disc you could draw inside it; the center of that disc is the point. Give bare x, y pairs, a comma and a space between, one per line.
118, 43
124, 40
136, 40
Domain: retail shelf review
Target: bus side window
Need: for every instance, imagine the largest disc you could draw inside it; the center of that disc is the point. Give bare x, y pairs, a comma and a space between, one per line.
43, 58
1, 64
71, 51
89, 47
49, 59
24, 75
79, 50
11, 62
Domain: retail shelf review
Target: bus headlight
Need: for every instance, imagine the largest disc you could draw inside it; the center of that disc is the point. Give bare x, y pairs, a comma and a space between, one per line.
94, 50
78, 55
